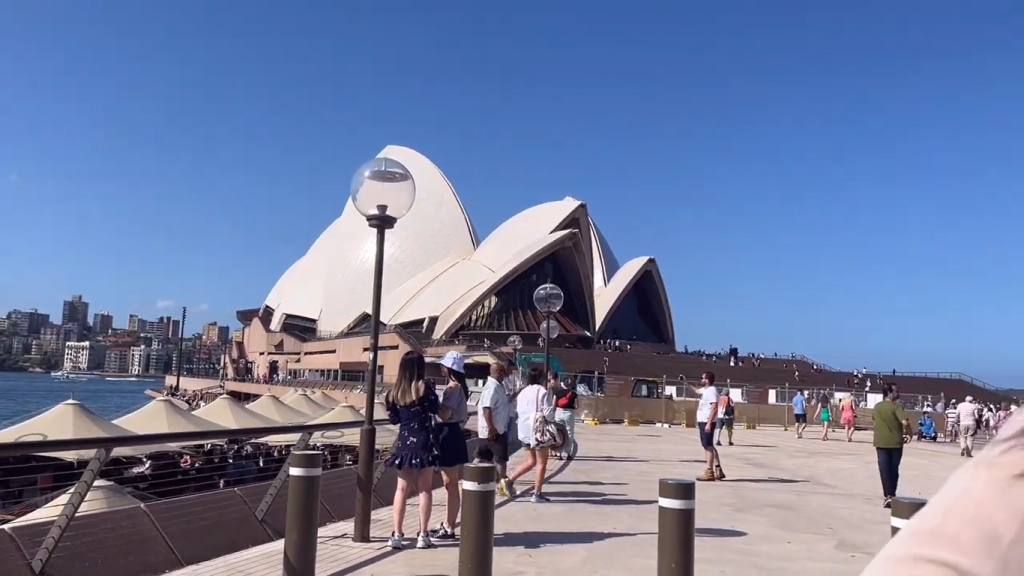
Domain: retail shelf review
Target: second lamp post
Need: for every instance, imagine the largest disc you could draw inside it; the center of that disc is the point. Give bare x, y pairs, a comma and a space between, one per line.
548, 298
383, 190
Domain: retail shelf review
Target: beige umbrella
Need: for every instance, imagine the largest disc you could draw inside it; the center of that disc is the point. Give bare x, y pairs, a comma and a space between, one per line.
291, 392
104, 495
227, 412
163, 415
272, 407
342, 414
71, 419
380, 410
303, 403
321, 397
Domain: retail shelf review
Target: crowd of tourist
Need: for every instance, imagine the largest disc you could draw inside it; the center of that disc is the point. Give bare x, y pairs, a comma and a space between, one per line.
538, 417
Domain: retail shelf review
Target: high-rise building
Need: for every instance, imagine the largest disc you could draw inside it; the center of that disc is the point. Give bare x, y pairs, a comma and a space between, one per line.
136, 324
20, 345
84, 356
211, 333
26, 322
75, 310
157, 361
138, 360
175, 329
116, 360
102, 323
52, 336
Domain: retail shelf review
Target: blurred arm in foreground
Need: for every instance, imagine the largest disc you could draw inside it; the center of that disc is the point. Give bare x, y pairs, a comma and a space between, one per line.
974, 526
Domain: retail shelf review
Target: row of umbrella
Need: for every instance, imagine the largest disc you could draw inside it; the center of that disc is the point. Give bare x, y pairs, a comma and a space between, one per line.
71, 419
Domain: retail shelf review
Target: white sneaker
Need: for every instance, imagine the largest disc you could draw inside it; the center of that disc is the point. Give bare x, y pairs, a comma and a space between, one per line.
423, 541
396, 541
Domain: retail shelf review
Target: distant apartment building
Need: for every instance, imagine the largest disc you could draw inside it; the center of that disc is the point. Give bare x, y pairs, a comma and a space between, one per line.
175, 329
19, 345
212, 333
138, 360
137, 324
3, 324
52, 336
38, 347
157, 361
76, 311
26, 322
102, 323
73, 332
116, 360
84, 356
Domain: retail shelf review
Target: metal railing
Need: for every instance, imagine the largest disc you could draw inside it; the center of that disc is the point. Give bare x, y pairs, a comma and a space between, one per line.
151, 503
946, 375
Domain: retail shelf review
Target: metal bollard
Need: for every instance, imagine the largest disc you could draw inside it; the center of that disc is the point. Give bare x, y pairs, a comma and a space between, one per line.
303, 516
476, 534
903, 509
677, 526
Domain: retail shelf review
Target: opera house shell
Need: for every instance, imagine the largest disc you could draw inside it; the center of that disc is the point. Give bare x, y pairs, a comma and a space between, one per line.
441, 282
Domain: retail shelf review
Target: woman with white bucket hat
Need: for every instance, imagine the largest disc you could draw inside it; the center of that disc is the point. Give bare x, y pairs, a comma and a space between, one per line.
451, 442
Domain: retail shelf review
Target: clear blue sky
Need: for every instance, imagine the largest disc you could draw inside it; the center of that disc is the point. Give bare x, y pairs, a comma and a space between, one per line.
841, 179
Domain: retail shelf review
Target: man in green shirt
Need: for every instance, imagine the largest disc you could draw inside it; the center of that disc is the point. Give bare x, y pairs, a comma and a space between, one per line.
889, 418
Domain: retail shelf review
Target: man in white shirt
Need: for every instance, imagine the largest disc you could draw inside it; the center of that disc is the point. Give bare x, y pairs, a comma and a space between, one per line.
707, 412
967, 415
495, 411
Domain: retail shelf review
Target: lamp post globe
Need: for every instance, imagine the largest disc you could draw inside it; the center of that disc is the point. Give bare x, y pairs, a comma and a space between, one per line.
515, 342
548, 298
549, 329
383, 190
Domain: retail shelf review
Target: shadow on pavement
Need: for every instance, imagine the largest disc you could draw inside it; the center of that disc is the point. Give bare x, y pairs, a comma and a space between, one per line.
720, 533
769, 480
534, 540
623, 459
584, 483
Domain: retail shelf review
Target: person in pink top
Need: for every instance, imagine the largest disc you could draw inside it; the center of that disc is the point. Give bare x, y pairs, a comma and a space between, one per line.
848, 416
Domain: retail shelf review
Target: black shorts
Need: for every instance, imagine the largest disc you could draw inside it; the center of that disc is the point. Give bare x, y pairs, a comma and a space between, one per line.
707, 436
800, 418
726, 422
452, 450
499, 447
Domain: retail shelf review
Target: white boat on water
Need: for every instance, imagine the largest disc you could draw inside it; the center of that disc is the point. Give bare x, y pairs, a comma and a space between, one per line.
129, 379
65, 375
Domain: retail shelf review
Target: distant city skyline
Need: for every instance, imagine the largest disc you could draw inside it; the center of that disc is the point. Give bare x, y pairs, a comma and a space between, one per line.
197, 316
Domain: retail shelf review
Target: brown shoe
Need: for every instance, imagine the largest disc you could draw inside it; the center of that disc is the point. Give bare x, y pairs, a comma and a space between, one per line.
719, 474
707, 476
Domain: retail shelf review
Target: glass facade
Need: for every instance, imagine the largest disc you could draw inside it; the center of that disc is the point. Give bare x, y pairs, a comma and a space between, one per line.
511, 308
638, 316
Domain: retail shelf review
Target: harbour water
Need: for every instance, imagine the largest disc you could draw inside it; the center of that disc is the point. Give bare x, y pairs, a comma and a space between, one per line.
23, 395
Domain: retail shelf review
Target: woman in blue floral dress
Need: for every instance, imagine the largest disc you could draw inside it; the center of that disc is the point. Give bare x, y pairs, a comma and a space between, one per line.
411, 405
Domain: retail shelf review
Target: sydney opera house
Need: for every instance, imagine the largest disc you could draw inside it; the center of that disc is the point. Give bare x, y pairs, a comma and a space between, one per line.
444, 288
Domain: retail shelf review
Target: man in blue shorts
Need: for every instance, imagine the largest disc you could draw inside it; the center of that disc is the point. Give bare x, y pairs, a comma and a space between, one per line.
707, 411
800, 413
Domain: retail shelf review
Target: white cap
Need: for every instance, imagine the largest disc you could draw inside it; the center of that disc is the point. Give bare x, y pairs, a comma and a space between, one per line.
969, 399
454, 361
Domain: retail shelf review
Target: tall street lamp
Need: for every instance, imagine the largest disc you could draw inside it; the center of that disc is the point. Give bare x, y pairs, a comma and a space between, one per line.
181, 339
548, 298
383, 190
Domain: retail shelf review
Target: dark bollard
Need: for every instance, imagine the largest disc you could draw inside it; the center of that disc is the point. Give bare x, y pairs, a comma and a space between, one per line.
903, 509
303, 516
476, 534
677, 526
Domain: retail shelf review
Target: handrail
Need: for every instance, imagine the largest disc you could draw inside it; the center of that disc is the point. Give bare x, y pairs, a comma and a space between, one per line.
74, 444
948, 375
